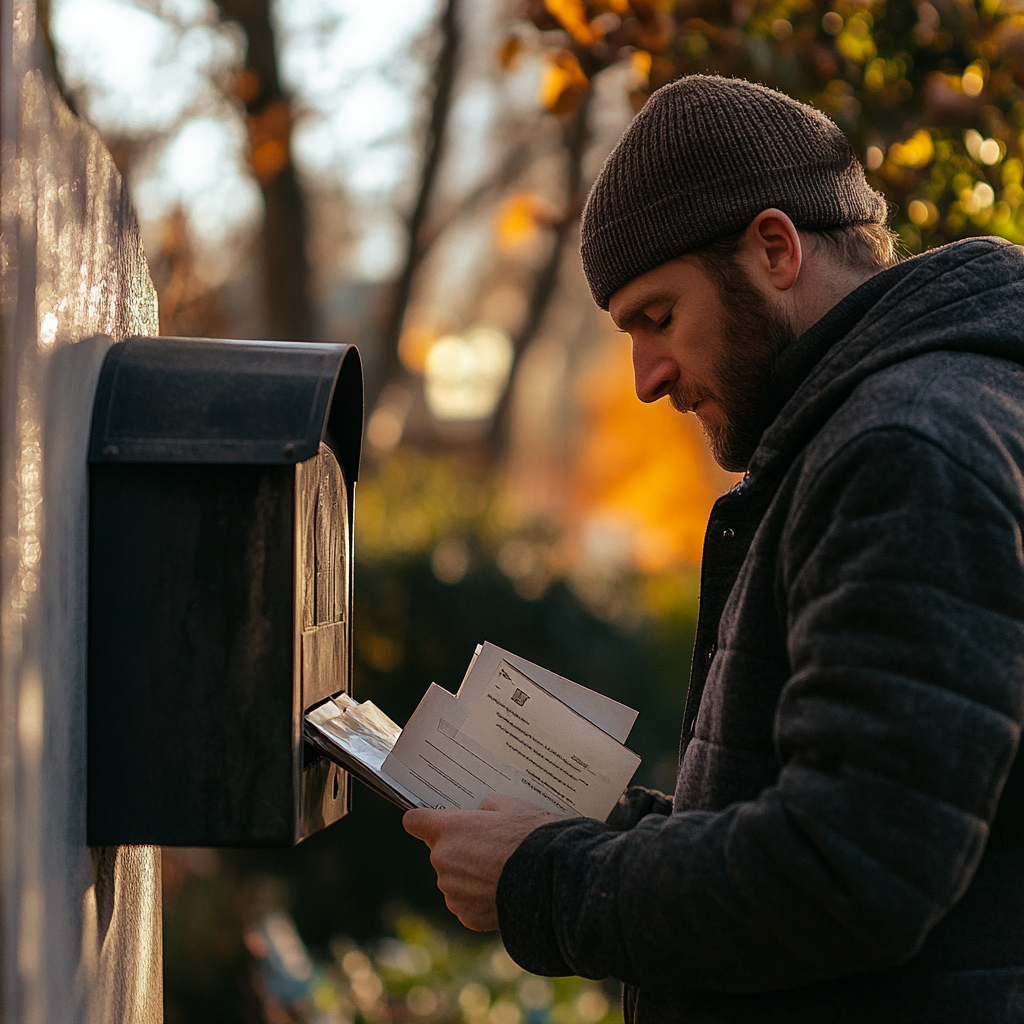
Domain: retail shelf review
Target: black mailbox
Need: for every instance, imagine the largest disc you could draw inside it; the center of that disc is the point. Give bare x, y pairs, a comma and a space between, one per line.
222, 476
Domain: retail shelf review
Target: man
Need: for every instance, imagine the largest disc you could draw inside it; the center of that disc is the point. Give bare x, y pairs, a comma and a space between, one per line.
846, 838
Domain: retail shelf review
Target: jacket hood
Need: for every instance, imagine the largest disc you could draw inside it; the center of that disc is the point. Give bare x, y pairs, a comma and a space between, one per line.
964, 297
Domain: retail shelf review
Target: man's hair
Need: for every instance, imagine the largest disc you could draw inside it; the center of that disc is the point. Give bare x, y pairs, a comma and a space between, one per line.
857, 246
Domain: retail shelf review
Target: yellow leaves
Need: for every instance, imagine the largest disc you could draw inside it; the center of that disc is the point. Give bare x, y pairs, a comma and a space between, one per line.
572, 16
640, 63
874, 75
1008, 38
516, 223
855, 41
563, 84
984, 151
977, 199
973, 79
923, 213
918, 151
886, 77
1013, 173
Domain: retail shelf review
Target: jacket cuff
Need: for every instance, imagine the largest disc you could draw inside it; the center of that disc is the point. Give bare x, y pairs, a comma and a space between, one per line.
636, 803
526, 904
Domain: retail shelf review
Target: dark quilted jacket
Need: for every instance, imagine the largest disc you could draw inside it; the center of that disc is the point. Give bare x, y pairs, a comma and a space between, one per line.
846, 840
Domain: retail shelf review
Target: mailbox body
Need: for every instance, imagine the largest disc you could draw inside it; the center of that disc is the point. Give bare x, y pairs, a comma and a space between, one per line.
221, 484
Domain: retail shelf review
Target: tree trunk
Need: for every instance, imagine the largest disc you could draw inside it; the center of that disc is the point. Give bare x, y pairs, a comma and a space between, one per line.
289, 308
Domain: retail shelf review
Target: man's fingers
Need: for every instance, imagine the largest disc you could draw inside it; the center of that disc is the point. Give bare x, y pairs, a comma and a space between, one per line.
430, 825
468, 850
424, 824
478, 915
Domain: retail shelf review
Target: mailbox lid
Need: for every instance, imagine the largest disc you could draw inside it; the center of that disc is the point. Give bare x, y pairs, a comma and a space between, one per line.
196, 400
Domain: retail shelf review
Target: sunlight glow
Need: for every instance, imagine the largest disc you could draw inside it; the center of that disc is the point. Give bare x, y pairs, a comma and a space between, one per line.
466, 375
347, 63
138, 72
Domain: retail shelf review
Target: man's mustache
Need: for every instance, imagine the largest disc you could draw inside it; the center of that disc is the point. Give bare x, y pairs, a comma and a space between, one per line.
683, 399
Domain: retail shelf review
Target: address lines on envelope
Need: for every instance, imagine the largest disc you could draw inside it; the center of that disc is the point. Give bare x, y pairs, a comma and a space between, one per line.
444, 775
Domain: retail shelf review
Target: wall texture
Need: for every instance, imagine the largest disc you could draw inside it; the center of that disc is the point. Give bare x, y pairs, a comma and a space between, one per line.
80, 930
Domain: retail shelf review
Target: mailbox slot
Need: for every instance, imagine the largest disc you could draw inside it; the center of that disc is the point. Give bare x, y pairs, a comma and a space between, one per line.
222, 477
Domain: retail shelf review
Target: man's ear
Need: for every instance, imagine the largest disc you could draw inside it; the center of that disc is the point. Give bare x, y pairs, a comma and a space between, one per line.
772, 244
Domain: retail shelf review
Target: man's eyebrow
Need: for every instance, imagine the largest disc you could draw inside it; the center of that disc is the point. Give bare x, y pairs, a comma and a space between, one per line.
636, 308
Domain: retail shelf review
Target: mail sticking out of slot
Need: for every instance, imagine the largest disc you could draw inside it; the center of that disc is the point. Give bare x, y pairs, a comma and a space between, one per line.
504, 732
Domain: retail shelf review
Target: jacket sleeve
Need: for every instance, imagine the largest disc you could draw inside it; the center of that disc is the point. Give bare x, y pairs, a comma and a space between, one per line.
901, 583
636, 803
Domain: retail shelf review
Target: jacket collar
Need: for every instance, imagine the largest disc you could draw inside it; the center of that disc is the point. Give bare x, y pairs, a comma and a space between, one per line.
967, 296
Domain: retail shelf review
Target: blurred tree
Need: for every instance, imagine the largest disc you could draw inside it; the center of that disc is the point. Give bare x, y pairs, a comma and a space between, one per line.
188, 306
269, 119
417, 232
930, 94
575, 136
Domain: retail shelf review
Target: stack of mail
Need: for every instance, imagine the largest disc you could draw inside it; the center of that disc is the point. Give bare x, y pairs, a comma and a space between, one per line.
513, 728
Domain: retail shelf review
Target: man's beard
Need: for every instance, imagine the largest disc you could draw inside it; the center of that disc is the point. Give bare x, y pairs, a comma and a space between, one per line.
753, 334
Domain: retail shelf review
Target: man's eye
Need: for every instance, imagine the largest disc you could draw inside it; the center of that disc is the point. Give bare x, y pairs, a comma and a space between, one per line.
665, 321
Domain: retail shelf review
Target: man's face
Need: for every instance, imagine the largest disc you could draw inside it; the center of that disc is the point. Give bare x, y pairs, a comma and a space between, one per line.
708, 342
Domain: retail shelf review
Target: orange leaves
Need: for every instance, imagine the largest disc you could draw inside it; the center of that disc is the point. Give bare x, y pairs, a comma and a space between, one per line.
246, 85
413, 347
572, 16
516, 223
640, 62
270, 128
563, 84
601, 33
521, 217
644, 466
269, 140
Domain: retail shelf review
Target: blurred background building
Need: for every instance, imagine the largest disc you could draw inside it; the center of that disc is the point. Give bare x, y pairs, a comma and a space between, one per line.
408, 175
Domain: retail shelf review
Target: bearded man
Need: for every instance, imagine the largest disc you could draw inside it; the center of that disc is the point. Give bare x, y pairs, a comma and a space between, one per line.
846, 837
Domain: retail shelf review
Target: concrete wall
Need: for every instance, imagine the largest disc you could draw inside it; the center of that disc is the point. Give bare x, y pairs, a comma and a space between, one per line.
80, 930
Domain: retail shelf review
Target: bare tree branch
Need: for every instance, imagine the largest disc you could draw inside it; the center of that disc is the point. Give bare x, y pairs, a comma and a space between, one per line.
517, 157
444, 75
576, 135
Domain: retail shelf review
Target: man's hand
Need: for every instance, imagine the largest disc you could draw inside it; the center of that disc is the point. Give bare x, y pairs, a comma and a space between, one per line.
468, 850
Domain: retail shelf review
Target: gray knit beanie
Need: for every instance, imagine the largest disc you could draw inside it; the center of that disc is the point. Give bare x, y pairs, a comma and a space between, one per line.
701, 160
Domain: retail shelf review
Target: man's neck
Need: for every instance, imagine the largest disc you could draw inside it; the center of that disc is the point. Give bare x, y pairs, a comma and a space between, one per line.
823, 284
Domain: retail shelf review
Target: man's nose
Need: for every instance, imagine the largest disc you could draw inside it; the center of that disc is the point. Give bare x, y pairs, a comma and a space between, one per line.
655, 374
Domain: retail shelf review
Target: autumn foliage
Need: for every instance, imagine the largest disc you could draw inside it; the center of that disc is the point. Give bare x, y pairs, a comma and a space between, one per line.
930, 93
644, 467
